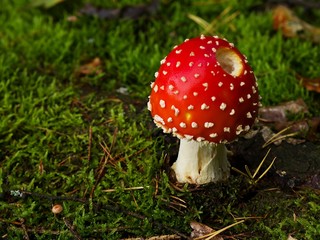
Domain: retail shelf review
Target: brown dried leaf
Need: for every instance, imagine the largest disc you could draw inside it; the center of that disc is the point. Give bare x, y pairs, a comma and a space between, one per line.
291, 238
292, 26
93, 67
311, 84
280, 112
128, 11
267, 134
199, 229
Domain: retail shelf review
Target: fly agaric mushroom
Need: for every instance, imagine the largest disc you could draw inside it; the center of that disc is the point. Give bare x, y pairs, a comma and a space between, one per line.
206, 94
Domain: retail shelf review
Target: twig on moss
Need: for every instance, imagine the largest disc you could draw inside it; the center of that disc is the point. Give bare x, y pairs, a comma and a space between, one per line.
103, 162
71, 228
90, 143
25, 230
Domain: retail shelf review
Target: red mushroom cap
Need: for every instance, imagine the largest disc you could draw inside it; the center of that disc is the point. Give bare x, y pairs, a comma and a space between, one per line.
204, 90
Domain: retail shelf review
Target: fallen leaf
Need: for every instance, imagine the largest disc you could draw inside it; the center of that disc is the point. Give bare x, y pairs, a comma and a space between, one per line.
91, 68
280, 112
72, 18
267, 134
128, 11
313, 181
291, 238
311, 84
291, 25
199, 229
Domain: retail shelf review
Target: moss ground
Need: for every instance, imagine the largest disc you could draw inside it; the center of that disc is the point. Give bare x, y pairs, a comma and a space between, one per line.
71, 138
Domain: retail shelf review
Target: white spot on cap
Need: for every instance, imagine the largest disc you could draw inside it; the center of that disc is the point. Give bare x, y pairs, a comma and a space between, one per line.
242, 84
152, 84
171, 87
164, 72
185, 97
169, 120
196, 75
206, 85
178, 64
247, 128
176, 92
213, 73
226, 129
168, 64
183, 79
231, 44
187, 39
156, 74
209, 42
166, 130
162, 103
174, 130
199, 139
239, 129
241, 99
248, 96
178, 51
202, 47
254, 90
220, 84
204, 106
200, 65
231, 86
155, 88
223, 106
195, 94
249, 115
190, 107
158, 119
194, 125
183, 125
213, 49
232, 112
245, 72
206, 55
191, 54
163, 61
208, 124
213, 98
191, 64
162, 87
213, 135
217, 43
176, 110
149, 106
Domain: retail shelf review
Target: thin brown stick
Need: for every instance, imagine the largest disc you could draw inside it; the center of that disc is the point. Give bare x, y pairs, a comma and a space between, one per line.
25, 230
71, 228
90, 143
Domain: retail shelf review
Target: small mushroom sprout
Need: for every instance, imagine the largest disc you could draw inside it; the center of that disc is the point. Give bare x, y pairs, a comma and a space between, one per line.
206, 94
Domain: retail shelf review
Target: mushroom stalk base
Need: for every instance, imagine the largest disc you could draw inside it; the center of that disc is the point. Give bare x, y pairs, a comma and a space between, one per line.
200, 163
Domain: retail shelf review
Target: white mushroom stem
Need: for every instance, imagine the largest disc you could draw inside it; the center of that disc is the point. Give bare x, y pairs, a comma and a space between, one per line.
200, 162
